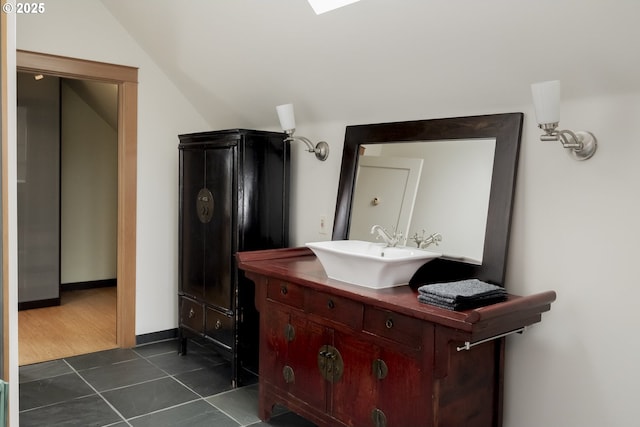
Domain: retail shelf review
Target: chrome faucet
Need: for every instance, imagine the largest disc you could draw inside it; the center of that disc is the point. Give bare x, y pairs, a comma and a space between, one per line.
422, 241
391, 240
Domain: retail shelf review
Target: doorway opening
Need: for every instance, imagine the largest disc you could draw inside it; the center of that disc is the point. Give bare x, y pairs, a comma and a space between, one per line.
67, 216
126, 80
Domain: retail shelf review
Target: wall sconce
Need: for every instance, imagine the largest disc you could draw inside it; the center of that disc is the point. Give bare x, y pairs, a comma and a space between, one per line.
546, 100
288, 123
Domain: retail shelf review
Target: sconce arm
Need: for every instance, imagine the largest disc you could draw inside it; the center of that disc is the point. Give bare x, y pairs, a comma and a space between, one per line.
321, 149
582, 145
572, 141
308, 142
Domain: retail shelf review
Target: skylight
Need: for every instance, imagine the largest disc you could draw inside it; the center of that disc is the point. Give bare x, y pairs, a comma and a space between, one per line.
322, 6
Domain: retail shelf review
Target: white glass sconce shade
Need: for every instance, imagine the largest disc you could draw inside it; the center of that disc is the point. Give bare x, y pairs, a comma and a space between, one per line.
581, 145
546, 100
286, 116
288, 124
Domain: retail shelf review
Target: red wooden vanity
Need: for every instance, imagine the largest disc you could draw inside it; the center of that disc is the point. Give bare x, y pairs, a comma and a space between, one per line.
345, 355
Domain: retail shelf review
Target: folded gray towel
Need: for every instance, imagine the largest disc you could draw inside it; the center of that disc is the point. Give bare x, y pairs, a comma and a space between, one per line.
461, 291
463, 305
461, 295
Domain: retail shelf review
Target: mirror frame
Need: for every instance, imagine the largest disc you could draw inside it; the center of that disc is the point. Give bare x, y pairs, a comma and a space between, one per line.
505, 128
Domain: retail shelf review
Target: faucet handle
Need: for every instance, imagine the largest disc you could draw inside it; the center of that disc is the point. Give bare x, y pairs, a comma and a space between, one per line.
418, 239
436, 238
398, 237
422, 241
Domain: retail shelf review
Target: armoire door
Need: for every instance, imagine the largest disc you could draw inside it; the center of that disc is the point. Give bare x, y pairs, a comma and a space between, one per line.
220, 181
192, 228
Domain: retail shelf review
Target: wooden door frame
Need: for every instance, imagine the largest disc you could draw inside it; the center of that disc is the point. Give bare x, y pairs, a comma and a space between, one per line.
127, 80
5, 370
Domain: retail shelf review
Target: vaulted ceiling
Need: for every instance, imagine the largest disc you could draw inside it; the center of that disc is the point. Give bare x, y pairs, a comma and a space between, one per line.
382, 59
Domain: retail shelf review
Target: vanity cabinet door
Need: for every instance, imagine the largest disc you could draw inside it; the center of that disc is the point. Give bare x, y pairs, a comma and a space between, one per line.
289, 355
274, 345
382, 385
309, 340
354, 394
404, 392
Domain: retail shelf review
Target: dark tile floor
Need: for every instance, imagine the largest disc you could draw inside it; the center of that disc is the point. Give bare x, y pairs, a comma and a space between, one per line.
150, 385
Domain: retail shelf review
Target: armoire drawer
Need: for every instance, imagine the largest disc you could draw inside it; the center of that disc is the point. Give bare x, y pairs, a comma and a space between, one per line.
219, 326
191, 314
397, 327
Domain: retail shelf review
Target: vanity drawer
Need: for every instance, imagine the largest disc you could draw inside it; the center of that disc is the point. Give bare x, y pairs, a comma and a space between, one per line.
191, 314
334, 308
394, 326
285, 292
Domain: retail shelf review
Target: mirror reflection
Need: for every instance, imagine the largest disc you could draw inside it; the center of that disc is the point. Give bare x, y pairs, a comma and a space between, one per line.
424, 189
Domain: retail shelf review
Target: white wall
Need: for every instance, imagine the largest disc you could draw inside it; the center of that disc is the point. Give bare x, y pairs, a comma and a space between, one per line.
576, 231
89, 192
575, 226
84, 29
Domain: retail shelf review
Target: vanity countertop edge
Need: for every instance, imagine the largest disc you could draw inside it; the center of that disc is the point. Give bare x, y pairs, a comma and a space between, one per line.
300, 266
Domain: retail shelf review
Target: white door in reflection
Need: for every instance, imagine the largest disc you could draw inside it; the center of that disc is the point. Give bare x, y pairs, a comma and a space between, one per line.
387, 188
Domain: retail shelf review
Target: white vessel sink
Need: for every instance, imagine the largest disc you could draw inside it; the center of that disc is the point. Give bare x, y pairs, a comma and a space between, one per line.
370, 264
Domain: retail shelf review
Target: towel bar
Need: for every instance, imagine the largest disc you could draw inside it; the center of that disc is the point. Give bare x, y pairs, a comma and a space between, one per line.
467, 345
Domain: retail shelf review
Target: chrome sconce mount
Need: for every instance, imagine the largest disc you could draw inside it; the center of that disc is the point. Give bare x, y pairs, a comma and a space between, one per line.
321, 149
582, 145
288, 123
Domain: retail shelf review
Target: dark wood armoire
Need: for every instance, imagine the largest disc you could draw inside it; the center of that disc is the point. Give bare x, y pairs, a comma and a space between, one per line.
234, 196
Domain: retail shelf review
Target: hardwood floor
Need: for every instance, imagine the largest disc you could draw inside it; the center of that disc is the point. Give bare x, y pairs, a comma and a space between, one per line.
84, 322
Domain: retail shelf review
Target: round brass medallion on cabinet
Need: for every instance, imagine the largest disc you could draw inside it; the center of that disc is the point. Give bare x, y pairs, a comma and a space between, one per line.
330, 363
204, 205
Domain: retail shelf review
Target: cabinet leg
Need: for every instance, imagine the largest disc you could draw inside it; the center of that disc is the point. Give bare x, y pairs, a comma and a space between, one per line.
235, 380
182, 346
264, 411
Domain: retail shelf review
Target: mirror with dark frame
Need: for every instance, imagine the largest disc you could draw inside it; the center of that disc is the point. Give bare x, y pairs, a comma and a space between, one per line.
500, 132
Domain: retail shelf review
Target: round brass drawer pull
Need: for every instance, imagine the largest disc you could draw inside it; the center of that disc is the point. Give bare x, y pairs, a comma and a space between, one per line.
389, 323
218, 324
283, 290
288, 374
331, 304
192, 314
379, 418
380, 369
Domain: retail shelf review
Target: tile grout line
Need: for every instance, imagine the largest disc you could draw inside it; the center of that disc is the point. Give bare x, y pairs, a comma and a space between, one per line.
203, 398
149, 358
45, 378
224, 412
98, 393
240, 424
166, 375
164, 409
56, 376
